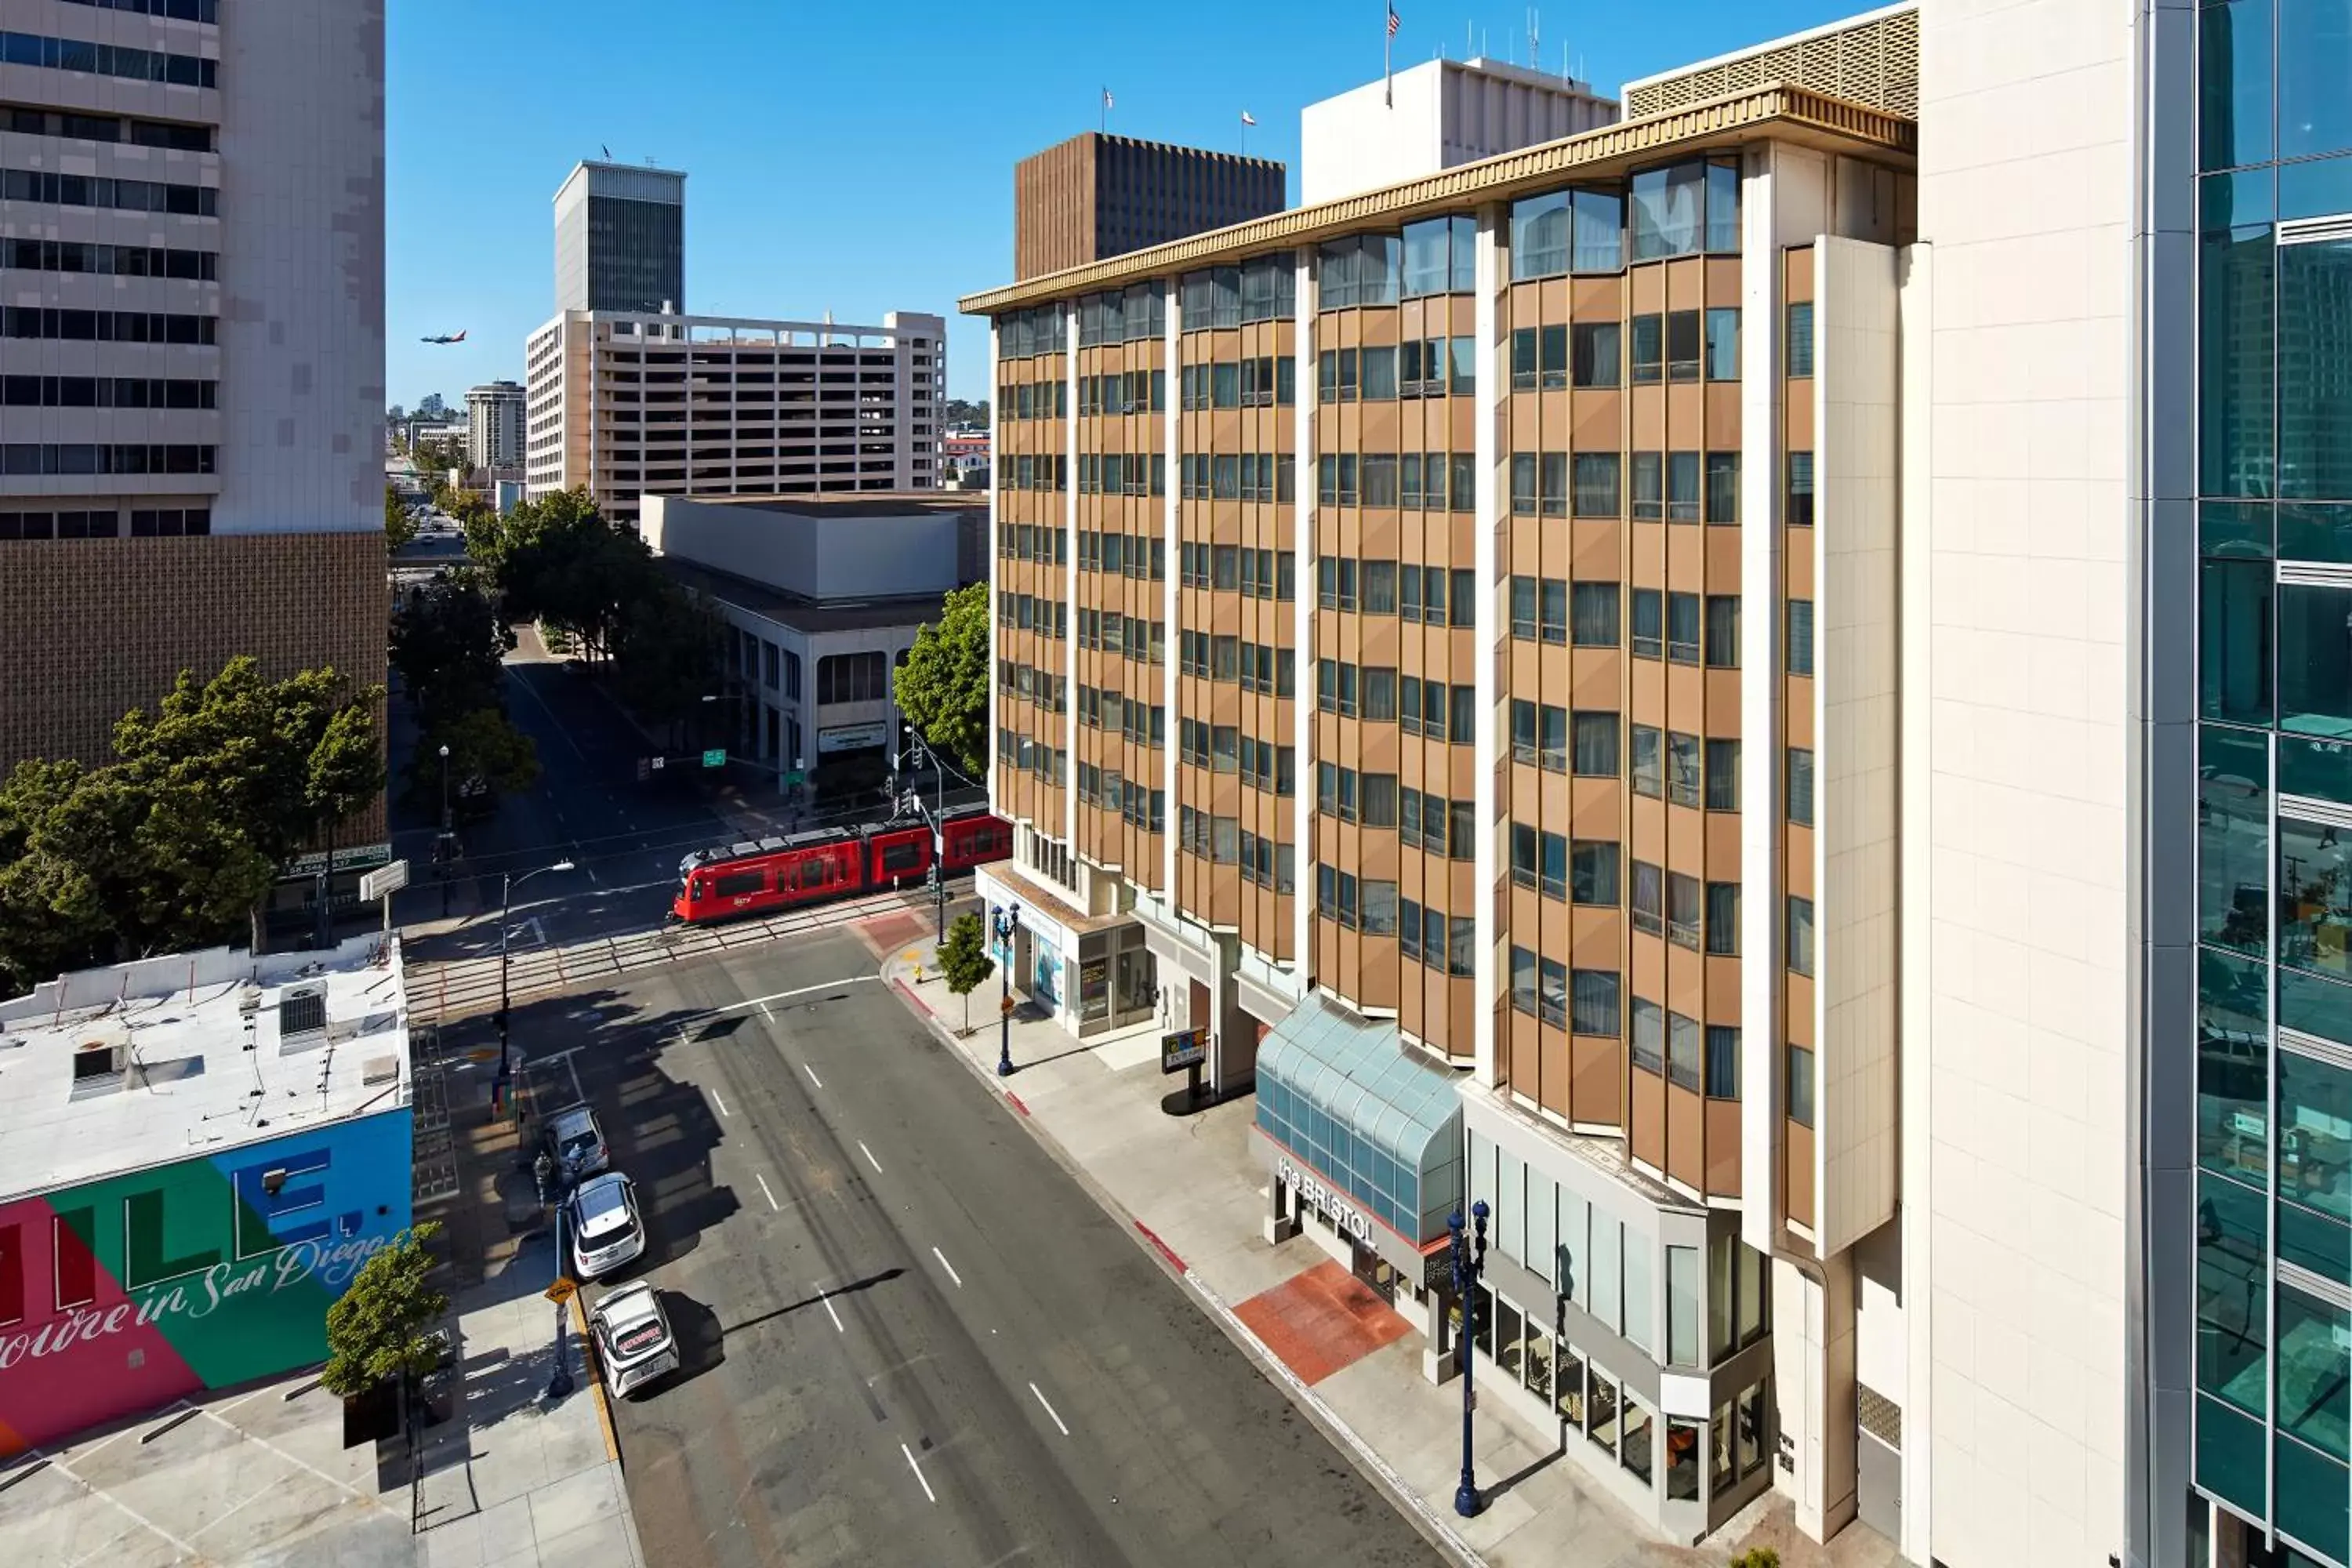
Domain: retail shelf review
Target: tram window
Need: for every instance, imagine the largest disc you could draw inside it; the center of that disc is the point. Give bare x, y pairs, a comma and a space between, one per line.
734, 884
898, 858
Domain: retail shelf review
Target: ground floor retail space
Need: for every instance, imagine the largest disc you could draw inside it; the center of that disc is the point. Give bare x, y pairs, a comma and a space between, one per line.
1094, 975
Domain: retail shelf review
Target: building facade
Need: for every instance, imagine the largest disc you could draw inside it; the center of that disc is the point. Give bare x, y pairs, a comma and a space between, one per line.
132, 1274
620, 239
1434, 116
190, 385
625, 404
1095, 196
494, 424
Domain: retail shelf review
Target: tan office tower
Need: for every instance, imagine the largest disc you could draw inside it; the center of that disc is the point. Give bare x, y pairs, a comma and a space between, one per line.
191, 356
1094, 196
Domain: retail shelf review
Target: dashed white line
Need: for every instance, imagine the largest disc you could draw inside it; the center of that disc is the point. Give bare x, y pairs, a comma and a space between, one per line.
951, 1273
826, 1297
869, 1156
765, 1013
720, 1103
1049, 1408
763, 1189
919, 1472
812, 1072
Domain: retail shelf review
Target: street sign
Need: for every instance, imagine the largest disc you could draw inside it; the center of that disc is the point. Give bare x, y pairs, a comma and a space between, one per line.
1183, 1049
795, 778
384, 880
655, 763
715, 758
1005, 1005
561, 1291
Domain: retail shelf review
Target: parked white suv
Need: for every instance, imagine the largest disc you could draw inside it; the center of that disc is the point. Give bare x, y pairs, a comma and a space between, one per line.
633, 1338
607, 1232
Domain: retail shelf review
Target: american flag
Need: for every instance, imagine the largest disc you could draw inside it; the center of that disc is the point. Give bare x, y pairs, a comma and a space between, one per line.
1392, 21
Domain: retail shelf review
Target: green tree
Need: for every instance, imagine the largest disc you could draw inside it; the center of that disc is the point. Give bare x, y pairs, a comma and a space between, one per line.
666, 652
964, 961
943, 689
383, 1326
447, 644
483, 744
399, 526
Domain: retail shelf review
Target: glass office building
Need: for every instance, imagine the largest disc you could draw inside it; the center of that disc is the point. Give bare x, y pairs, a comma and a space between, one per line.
2272, 1401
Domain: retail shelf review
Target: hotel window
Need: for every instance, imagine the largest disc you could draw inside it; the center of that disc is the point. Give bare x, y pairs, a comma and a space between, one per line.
1551, 358
1594, 744
1683, 627
1552, 487
1800, 786
1800, 1086
1592, 614
1592, 1001
1684, 912
1722, 776
1523, 484
1649, 1032
1682, 769
1649, 761
1441, 257
1649, 350
1801, 936
1800, 339
1682, 486
1723, 919
1649, 623
1594, 354
1799, 512
1723, 342
1649, 485
1723, 487
1801, 637
1682, 336
1596, 485
1722, 1067
1685, 1051
1593, 872
1723, 631
1523, 360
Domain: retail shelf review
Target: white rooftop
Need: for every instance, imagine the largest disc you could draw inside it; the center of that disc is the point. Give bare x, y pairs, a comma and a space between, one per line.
108, 1070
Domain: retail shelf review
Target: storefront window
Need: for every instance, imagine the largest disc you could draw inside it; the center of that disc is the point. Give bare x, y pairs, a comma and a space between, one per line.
1602, 1429
1542, 1348
1633, 1451
1751, 1429
1682, 1460
1570, 1386
1510, 1333
1720, 1471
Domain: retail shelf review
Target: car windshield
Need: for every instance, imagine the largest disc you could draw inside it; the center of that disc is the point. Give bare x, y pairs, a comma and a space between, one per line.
580, 1141
638, 1338
601, 1210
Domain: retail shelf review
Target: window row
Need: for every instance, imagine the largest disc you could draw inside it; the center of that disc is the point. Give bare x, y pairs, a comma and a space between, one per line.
25, 457
1377, 693
1142, 808
1224, 749
1266, 381
1140, 312
1682, 209
107, 128
53, 189
1674, 345
1669, 487
1413, 482
1365, 904
1263, 289
1108, 631
107, 326
1423, 368
1030, 612
1447, 944
1237, 476
1258, 666
1433, 596
1121, 473
1668, 625
110, 261
1568, 870
1703, 1058
1217, 839
1667, 765
1142, 723
1140, 556
157, 522
1048, 546
106, 391
1028, 471
1680, 908
1125, 391
1256, 572
1024, 755
1042, 331
1581, 1001
1266, 864
1435, 825
107, 59
1556, 610
177, 10
1032, 399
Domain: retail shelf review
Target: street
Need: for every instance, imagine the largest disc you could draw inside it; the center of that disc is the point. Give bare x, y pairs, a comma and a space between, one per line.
910, 1336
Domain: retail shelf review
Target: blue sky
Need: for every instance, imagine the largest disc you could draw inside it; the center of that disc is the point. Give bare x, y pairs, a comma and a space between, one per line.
861, 160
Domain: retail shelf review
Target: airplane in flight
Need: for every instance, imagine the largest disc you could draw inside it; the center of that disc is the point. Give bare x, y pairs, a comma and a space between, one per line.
445, 338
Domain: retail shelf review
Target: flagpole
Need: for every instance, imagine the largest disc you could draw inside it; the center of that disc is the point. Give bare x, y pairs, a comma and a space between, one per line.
1102, 112
1387, 71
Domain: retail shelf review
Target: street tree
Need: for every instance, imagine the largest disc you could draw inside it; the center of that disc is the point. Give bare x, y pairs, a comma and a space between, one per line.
382, 1327
964, 961
399, 526
666, 652
943, 689
448, 644
483, 744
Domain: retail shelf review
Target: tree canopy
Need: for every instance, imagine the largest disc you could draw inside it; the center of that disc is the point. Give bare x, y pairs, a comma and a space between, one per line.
383, 1326
964, 959
399, 524
943, 689
176, 841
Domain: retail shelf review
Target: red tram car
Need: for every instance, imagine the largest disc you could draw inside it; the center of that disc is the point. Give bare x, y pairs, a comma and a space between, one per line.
759, 875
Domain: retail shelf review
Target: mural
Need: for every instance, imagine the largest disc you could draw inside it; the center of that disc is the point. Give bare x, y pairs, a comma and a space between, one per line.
120, 1295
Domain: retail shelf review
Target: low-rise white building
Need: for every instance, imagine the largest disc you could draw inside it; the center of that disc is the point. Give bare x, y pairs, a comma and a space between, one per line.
1434, 116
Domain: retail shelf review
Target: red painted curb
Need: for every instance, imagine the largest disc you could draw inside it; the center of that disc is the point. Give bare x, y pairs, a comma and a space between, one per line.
1016, 1103
1166, 1251
918, 1001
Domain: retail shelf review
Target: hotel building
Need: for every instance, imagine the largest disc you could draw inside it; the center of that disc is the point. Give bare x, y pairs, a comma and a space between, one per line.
1763, 690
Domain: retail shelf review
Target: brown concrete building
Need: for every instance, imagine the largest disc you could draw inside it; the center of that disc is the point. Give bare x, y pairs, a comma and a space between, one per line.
1094, 196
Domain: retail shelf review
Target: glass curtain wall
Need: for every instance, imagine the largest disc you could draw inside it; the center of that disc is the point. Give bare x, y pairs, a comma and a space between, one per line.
2274, 1287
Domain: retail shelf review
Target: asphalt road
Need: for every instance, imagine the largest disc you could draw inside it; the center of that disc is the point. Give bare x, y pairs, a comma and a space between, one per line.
588, 807
911, 1338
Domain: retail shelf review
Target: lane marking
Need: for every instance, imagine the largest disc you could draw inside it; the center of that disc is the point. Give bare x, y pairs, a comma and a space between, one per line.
720, 1103
952, 1274
812, 1072
919, 1472
766, 1014
763, 1188
1049, 1408
826, 1297
869, 1156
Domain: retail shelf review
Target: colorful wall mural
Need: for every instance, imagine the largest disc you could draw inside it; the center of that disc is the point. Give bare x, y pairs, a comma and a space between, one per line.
120, 1295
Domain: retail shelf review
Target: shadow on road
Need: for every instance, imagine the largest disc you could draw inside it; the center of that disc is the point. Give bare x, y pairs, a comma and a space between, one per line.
701, 1341
838, 1291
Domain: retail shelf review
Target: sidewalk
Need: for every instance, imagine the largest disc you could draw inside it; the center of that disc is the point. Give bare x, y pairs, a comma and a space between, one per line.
1195, 1189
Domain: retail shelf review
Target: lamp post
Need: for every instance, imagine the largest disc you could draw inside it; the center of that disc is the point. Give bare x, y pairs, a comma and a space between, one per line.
922, 750
446, 835
559, 1381
506, 902
1469, 1262
1008, 921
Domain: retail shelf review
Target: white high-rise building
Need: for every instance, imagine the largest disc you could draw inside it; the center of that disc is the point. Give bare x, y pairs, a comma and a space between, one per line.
494, 424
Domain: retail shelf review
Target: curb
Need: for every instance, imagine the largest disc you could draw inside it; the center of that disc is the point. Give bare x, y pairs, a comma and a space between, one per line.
1425, 1520
594, 1376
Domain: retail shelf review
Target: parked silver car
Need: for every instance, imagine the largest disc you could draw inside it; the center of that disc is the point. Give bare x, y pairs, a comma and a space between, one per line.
577, 1143
607, 1231
633, 1337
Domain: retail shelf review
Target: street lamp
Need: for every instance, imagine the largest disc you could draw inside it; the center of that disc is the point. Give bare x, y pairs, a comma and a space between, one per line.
559, 1381
922, 750
1469, 1253
1008, 921
505, 901
443, 859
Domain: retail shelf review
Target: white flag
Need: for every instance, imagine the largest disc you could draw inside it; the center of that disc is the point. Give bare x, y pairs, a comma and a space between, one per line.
1247, 118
